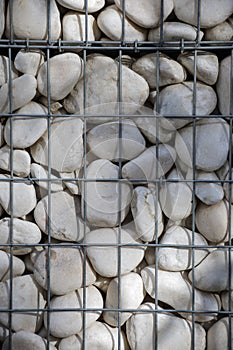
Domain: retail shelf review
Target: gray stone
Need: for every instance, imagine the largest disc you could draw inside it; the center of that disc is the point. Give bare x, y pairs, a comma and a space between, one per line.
212, 12
65, 72
37, 171
110, 23
174, 31
25, 295
5, 66
30, 20
223, 86
2, 17
146, 14
29, 61
72, 186
223, 31
21, 161
80, 5
218, 335
18, 266
27, 341
66, 224
104, 259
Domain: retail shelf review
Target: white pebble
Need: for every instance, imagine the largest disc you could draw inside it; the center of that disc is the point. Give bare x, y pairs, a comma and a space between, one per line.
21, 161
29, 62
18, 266
80, 5
5, 66
174, 31
26, 341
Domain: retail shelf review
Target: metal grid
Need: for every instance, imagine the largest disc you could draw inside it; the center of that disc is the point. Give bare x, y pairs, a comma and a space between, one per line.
117, 48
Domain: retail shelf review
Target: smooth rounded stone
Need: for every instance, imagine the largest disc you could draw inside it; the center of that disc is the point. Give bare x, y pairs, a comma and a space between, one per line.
66, 224
102, 198
212, 221
176, 291
223, 86
24, 232
99, 336
25, 295
173, 332
72, 186
37, 171
26, 130
30, 20
147, 167
179, 259
226, 303
227, 186
23, 91
26, 341
147, 214
66, 323
6, 67
104, 258
223, 31
66, 262
146, 14
208, 192
206, 101
132, 294
175, 197
212, 274
218, 335
110, 23
102, 74
170, 71
18, 266
174, 31
212, 12
211, 152
2, 17
103, 140
29, 61
65, 72
74, 27
65, 144
24, 197
223, 171
21, 161
207, 66
80, 5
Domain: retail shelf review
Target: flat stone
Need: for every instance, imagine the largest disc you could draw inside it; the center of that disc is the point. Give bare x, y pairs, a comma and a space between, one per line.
30, 20
218, 335
25, 295
145, 165
147, 214
212, 13
66, 262
2, 17
140, 330
18, 266
110, 23
174, 31
176, 291
74, 27
21, 161
223, 86
223, 31
26, 130
24, 197
102, 74
104, 259
206, 101
212, 221
102, 198
26, 341
66, 224
80, 5
170, 71
211, 152
24, 232
131, 296
66, 145
146, 14
98, 336
65, 72
103, 140
212, 274
175, 197
66, 323
37, 171
206, 65
5, 66
180, 259
23, 91
29, 61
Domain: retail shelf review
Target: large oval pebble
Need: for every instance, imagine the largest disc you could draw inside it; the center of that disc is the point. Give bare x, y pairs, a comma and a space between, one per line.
80, 5
26, 341
218, 335
18, 266
174, 31
223, 86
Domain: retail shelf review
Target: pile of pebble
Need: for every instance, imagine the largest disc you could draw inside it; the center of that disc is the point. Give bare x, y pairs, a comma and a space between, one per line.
89, 219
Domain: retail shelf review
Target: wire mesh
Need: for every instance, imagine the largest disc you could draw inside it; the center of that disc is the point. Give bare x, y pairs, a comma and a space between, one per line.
117, 49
